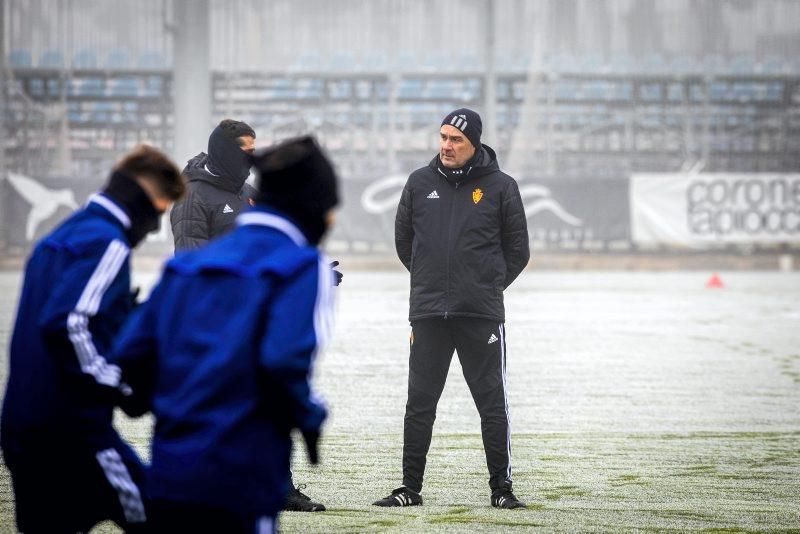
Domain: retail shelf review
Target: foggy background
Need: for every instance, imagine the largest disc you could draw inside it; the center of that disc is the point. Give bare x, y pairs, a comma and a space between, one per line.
631, 125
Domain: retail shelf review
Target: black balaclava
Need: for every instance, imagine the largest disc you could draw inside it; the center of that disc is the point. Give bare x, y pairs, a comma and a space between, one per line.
126, 192
297, 179
227, 159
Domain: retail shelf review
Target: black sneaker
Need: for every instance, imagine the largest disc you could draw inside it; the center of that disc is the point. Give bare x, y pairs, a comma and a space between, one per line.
297, 501
505, 498
401, 497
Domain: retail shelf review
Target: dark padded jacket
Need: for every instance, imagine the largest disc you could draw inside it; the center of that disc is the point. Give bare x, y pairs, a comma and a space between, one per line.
210, 206
463, 242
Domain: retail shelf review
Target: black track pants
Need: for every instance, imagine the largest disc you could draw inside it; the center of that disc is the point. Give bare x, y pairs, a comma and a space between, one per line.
481, 348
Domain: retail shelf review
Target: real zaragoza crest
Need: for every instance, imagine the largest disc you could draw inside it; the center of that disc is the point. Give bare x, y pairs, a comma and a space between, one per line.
477, 195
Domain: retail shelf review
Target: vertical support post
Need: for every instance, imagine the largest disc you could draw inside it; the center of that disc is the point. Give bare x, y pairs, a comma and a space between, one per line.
490, 79
4, 224
191, 80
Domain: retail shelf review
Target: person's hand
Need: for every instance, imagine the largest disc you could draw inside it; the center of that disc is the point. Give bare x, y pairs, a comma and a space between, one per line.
311, 438
337, 275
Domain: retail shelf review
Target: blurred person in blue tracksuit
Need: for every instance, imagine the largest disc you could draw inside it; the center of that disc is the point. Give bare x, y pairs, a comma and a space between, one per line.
69, 467
222, 352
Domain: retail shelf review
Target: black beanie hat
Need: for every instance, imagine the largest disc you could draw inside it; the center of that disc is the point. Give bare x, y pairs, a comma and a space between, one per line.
468, 122
296, 178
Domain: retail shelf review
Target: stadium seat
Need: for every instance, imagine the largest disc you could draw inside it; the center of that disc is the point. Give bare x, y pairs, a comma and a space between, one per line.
619, 64
20, 58
502, 90
684, 65
564, 63
80, 86
153, 87
772, 65
405, 62
36, 87
650, 92
282, 89
675, 92
152, 60
51, 59
591, 63
436, 90
342, 63
310, 89
410, 89
340, 89
514, 63
565, 90
124, 87
742, 65
469, 62
117, 60
718, 91
714, 64
472, 88
438, 63
84, 60
374, 63
775, 91
654, 64
309, 63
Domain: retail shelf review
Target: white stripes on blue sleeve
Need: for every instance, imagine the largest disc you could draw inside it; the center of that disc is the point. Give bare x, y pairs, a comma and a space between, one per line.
90, 361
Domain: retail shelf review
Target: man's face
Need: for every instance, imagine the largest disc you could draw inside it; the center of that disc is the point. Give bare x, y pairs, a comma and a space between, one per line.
454, 147
247, 143
330, 219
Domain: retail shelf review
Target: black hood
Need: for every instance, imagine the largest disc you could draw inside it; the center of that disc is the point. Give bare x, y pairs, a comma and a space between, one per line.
482, 163
199, 169
227, 159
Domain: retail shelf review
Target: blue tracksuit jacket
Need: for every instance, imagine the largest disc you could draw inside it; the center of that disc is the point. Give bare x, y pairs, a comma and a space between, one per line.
74, 300
221, 354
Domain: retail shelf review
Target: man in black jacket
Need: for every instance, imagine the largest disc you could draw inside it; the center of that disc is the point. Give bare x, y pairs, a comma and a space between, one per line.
216, 186
462, 233
216, 194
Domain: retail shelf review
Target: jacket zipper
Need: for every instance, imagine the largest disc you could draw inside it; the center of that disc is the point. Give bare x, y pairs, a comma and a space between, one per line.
449, 248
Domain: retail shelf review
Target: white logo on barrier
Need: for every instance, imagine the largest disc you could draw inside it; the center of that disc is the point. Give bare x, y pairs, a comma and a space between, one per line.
383, 195
537, 198
695, 210
44, 202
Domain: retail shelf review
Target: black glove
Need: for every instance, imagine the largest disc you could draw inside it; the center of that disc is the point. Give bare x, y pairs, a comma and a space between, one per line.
311, 438
336, 274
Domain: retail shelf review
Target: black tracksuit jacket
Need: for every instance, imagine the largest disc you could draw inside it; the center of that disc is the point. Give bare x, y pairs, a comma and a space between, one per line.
463, 241
210, 206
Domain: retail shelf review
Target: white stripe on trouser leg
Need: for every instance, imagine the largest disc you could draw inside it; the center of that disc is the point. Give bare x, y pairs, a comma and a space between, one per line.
120, 479
505, 397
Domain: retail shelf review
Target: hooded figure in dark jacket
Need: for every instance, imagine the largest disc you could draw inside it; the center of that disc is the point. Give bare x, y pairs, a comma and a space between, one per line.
462, 233
217, 192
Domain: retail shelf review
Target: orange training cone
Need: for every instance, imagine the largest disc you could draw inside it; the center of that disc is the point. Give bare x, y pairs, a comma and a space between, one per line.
715, 282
